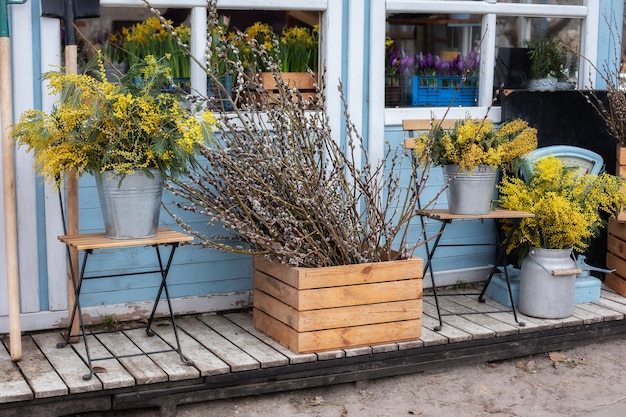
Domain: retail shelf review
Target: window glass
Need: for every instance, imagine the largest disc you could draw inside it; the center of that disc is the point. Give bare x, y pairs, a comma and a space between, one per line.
431, 56
515, 35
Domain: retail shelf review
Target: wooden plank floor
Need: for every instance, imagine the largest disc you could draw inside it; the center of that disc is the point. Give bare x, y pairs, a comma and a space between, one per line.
230, 358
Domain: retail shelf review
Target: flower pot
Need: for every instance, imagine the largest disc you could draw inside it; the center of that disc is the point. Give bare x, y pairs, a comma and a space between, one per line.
130, 207
115, 71
337, 307
469, 192
397, 90
547, 283
548, 83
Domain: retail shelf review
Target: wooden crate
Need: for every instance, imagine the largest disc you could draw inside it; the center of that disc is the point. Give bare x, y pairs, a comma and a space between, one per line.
616, 256
303, 81
317, 309
620, 169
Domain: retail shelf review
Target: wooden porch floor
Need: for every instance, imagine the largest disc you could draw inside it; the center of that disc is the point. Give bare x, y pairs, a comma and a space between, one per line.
232, 359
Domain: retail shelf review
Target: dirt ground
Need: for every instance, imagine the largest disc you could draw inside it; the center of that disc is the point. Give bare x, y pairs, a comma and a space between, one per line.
587, 381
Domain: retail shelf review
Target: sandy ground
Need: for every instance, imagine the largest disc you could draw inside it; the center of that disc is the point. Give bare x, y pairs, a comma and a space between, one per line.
587, 381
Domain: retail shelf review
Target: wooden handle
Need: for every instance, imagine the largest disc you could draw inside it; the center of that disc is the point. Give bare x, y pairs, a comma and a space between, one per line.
10, 213
565, 272
71, 67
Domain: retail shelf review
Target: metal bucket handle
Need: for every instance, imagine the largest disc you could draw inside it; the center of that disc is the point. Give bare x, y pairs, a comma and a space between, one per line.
558, 272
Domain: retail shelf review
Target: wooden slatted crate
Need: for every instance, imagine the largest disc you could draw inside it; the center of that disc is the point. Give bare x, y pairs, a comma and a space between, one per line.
616, 256
317, 309
303, 81
620, 169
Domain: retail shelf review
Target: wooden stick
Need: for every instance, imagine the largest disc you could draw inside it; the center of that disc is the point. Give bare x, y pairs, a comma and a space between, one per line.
10, 213
71, 67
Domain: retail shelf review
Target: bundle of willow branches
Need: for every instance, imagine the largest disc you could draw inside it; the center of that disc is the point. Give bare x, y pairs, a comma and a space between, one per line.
281, 183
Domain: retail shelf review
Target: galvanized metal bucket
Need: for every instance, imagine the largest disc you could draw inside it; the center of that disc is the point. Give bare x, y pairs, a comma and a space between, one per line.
130, 206
469, 192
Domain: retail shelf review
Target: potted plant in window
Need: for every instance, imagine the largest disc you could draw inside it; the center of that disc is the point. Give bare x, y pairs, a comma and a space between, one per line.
328, 228
548, 62
295, 51
398, 72
129, 135
569, 209
470, 155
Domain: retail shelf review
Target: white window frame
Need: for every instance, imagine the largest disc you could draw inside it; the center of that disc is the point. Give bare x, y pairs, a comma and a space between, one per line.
490, 10
330, 28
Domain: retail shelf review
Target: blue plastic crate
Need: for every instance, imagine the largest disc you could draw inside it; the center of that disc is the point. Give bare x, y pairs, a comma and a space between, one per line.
441, 90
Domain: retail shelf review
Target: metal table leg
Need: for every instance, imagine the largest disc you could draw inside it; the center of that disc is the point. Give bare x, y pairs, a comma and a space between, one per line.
76, 309
429, 267
163, 287
500, 254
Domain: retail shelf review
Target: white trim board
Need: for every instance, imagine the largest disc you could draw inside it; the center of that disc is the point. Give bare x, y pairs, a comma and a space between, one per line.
134, 311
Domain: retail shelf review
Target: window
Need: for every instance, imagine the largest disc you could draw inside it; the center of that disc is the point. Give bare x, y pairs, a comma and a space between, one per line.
458, 24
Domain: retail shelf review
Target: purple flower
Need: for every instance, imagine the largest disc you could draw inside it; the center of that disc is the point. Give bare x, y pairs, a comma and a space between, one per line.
399, 63
428, 64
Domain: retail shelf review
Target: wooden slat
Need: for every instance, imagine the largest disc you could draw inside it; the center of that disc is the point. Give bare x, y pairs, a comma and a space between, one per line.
607, 293
444, 214
430, 337
425, 124
170, 362
453, 317
502, 324
39, 373
323, 298
587, 316
331, 318
110, 372
620, 154
606, 313
335, 276
266, 356
355, 336
14, 387
616, 246
142, 368
237, 359
616, 229
615, 282
100, 241
613, 306
453, 334
616, 263
244, 320
203, 359
67, 363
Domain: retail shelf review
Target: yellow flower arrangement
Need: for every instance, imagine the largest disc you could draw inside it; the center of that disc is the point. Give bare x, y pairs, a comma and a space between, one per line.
296, 48
133, 44
127, 126
474, 142
568, 205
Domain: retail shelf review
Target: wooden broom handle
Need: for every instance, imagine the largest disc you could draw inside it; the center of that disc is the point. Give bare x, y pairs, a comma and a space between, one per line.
71, 67
10, 212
